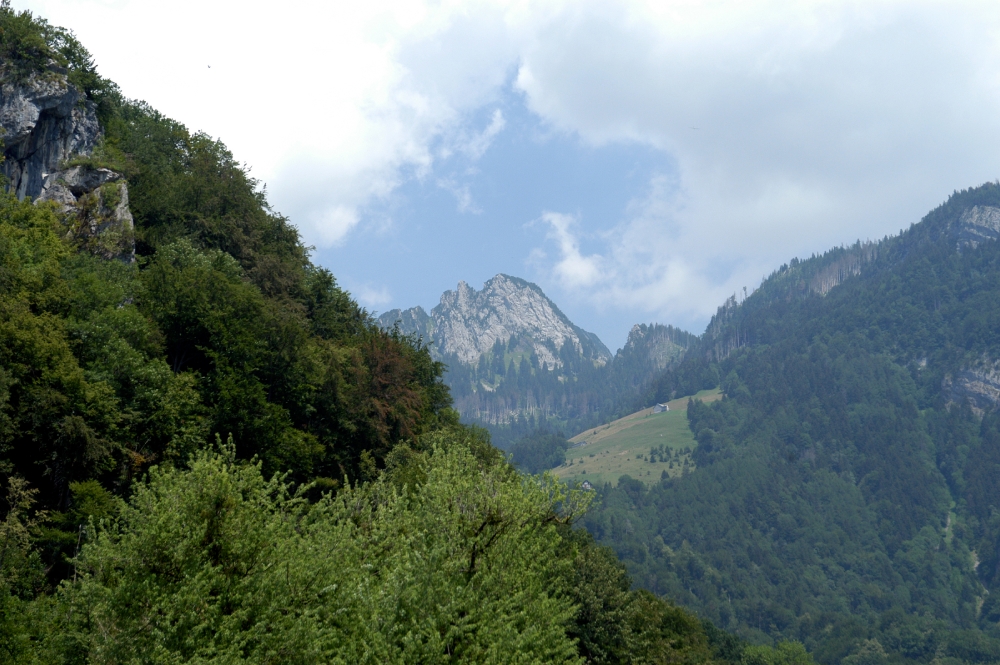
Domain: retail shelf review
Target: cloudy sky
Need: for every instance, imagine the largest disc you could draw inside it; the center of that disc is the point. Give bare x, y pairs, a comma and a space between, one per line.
639, 161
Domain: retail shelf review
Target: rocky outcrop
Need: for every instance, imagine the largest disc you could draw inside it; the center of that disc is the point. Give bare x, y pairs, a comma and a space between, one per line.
48, 123
977, 224
979, 384
467, 323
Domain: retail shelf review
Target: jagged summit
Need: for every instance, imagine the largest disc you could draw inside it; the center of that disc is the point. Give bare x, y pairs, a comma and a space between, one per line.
468, 323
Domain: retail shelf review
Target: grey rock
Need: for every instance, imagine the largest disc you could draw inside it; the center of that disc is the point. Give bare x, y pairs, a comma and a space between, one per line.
413, 321
977, 224
78, 180
467, 323
46, 121
100, 221
979, 384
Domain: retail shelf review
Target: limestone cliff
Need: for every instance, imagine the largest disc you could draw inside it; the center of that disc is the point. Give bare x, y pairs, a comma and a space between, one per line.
977, 224
47, 124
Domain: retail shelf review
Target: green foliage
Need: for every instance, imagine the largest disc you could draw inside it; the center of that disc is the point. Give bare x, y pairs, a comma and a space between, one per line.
224, 327
540, 451
29, 45
846, 493
218, 564
783, 653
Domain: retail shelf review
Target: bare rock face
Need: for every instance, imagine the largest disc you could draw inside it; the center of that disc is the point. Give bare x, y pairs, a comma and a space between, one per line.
46, 121
979, 384
978, 224
467, 323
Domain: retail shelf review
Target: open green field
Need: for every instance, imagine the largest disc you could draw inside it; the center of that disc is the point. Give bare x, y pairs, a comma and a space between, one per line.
605, 453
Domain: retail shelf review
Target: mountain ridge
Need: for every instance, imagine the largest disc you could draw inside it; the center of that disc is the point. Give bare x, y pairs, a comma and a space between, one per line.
467, 323
846, 490
516, 362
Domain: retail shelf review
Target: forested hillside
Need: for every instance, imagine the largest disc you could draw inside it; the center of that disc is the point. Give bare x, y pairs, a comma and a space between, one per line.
847, 490
210, 453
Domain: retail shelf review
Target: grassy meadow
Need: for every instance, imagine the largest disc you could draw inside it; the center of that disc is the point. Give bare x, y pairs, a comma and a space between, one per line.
605, 453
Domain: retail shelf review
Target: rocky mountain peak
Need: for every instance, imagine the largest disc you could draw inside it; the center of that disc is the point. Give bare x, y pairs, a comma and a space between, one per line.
468, 323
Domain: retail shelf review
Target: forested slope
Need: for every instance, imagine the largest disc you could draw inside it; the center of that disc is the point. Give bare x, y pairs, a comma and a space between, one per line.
210, 453
848, 486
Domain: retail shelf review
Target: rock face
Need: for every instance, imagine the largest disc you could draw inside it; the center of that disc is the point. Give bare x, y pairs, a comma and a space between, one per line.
977, 224
979, 384
47, 122
467, 323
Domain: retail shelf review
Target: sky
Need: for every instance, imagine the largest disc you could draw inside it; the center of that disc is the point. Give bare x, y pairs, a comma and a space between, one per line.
640, 161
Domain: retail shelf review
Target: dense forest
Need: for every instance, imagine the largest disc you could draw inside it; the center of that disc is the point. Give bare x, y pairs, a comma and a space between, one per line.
212, 454
847, 490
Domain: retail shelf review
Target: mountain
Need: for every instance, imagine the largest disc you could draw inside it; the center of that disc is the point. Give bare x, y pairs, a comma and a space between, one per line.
847, 488
467, 324
515, 362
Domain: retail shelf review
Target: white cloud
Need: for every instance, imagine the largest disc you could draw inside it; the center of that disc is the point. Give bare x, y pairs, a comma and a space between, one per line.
333, 103
372, 297
573, 270
794, 125
478, 144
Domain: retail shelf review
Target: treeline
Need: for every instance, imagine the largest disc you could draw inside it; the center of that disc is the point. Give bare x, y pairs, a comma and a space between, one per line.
846, 493
347, 518
510, 393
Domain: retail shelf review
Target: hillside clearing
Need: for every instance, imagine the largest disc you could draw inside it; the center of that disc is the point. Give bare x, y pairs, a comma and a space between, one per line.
643, 445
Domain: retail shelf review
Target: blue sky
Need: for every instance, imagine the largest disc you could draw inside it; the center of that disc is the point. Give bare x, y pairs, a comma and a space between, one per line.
477, 215
640, 160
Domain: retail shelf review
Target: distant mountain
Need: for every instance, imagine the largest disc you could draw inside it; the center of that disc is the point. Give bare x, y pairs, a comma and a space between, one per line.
515, 361
468, 323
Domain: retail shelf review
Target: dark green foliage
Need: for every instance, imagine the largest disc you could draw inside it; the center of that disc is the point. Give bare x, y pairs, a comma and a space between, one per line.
29, 45
222, 327
846, 492
540, 451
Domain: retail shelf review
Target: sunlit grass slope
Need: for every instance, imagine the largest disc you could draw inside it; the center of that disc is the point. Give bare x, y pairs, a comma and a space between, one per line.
642, 445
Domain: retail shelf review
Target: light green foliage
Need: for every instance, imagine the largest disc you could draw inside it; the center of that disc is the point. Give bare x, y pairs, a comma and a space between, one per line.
218, 565
644, 445
869, 652
783, 653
